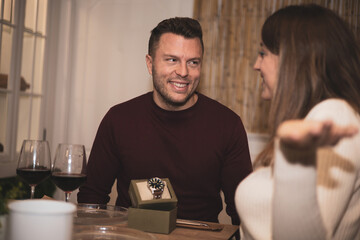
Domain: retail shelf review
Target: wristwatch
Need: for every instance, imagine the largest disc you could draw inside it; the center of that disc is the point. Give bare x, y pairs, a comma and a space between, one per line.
156, 187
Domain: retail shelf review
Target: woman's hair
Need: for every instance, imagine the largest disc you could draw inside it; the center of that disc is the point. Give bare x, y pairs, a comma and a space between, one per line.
319, 58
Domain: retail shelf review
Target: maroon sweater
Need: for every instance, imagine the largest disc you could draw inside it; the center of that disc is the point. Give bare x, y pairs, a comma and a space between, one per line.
202, 150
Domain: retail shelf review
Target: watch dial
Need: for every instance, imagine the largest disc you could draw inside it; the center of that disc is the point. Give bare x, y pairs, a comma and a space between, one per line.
156, 183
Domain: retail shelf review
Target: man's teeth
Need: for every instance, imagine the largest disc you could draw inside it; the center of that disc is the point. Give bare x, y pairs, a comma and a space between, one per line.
180, 85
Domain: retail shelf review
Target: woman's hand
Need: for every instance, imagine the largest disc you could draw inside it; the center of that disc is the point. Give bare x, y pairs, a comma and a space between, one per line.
305, 134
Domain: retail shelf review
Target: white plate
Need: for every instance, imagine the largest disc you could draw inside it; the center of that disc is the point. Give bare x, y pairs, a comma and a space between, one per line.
109, 232
100, 214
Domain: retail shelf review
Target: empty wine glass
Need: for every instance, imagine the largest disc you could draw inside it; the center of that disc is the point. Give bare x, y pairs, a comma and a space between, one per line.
34, 164
69, 169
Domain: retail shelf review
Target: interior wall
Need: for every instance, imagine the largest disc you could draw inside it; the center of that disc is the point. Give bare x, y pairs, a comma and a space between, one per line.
105, 60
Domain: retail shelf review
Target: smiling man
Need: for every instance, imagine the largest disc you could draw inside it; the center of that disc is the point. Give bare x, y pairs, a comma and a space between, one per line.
173, 132
175, 67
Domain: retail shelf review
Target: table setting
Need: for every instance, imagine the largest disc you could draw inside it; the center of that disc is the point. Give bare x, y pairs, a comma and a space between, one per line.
151, 216
43, 218
99, 221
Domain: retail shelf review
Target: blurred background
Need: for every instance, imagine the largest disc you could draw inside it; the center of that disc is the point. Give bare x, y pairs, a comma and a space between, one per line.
64, 63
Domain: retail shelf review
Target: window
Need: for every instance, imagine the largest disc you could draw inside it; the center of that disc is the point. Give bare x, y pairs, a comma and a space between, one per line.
23, 37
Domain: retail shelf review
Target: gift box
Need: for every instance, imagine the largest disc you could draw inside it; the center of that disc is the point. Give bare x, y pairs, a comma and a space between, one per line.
155, 221
141, 196
149, 214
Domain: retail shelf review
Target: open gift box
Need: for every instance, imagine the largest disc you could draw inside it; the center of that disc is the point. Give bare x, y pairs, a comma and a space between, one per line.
149, 214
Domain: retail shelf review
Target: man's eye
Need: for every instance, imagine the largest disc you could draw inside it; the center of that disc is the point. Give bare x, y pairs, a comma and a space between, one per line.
171, 60
194, 63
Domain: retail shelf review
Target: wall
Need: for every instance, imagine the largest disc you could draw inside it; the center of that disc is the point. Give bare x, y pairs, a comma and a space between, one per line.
102, 48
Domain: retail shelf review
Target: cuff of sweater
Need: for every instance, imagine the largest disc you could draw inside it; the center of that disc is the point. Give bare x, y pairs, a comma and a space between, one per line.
293, 168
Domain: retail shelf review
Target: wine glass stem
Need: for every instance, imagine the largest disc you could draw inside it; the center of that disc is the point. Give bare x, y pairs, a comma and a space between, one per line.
32, 191
67, 197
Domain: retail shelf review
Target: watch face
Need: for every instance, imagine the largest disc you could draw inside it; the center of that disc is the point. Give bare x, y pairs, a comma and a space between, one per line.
156, 183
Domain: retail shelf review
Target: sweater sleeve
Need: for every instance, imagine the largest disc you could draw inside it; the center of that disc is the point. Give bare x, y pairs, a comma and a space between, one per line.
296, 213
237, 166
102, 166
312, 189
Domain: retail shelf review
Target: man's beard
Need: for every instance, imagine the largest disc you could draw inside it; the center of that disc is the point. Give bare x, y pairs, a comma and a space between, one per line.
161, 89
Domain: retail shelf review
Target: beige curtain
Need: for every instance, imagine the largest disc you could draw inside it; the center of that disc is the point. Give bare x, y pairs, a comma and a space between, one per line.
231, 38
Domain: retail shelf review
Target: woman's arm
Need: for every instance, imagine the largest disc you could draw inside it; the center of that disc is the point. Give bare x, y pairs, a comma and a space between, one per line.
296, 214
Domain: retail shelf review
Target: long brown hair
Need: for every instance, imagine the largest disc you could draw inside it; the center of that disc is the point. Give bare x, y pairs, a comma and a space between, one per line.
319, 59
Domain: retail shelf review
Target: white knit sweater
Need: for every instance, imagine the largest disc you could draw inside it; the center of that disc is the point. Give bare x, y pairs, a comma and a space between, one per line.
319, 200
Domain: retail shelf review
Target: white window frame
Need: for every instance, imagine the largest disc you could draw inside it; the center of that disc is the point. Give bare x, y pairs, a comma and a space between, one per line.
8, 158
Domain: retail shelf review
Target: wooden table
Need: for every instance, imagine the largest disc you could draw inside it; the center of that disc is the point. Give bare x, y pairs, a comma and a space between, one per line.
181, 233
184, 233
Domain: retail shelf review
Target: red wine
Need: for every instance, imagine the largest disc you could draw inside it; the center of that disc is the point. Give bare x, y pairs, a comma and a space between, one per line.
68, 182
33, 176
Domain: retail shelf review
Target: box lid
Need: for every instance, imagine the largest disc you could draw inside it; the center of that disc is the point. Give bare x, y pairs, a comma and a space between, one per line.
141, 196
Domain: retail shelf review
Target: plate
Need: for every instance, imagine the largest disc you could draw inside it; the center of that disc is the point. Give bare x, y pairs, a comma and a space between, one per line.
100, 214
109, 232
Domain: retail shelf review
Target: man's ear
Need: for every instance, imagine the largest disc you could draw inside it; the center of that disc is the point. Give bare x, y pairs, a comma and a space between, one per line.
149, 63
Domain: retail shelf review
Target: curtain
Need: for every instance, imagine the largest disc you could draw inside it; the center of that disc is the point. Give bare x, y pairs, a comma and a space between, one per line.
231, 34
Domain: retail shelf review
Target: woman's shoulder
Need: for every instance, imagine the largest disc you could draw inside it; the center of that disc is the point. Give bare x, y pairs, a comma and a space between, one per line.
335, 102
337, 110
341, 113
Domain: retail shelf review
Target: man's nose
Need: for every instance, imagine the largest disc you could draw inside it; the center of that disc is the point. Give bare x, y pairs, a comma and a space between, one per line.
182, 70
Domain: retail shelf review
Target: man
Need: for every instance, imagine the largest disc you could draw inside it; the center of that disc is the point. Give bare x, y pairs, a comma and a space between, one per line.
173, 132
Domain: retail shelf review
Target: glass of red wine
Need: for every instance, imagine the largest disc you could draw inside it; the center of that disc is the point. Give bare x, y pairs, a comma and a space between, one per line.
69, 168
34, 164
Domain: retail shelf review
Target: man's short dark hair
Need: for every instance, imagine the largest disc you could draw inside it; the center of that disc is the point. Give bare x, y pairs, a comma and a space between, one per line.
183, 26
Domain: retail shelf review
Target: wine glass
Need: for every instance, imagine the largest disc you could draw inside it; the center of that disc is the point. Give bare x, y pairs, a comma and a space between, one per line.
34, 164
69, 169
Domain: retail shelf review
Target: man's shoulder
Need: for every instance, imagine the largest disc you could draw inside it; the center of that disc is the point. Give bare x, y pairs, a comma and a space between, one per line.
216, 106
134, 102
129, 108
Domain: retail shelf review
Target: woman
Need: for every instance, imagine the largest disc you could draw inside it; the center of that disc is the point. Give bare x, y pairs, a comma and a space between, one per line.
307, 182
